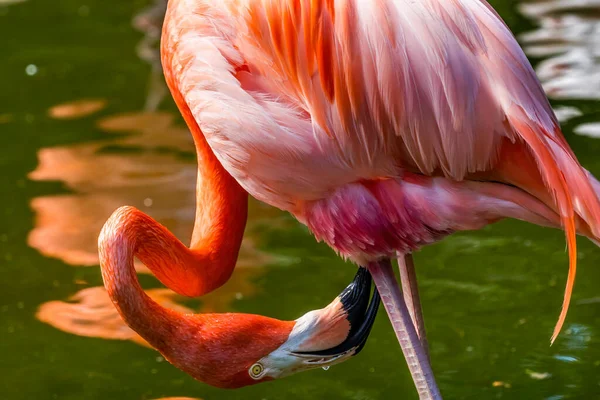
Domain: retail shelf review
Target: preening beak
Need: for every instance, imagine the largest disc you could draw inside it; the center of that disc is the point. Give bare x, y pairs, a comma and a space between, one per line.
328, 336
358, 312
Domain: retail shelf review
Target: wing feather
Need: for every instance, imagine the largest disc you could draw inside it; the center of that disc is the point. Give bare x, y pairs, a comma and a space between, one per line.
393, 76
436, 85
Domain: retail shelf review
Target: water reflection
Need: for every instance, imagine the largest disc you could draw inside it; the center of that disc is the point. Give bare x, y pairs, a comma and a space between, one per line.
568, 35
5, 118
568, 42
178, 398
76, 109
158, 182
161, 184
91, 313
67, 226
568, 38
147, 161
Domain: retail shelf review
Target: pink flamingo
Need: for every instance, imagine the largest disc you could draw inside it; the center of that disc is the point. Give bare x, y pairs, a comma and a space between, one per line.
382, 125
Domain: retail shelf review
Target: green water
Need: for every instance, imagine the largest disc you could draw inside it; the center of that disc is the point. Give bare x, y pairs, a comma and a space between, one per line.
490, 298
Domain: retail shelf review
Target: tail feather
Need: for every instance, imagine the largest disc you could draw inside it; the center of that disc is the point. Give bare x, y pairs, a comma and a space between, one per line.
585, 203
582, 186
571, 191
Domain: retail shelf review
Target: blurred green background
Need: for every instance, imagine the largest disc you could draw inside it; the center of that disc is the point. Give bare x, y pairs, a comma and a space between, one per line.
86, 125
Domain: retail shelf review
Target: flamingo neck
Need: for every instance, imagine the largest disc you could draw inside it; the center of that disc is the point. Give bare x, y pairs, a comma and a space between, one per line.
221, 203
217, 349
118, 243
221, 213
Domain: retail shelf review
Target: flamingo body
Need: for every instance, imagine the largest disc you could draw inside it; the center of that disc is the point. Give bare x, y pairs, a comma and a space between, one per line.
288, 91
314, 107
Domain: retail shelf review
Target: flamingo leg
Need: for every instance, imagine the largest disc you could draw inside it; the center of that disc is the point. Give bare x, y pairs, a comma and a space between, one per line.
410, 290
395, 305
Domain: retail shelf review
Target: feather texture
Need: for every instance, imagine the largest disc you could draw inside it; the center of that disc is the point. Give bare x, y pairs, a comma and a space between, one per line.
298, 98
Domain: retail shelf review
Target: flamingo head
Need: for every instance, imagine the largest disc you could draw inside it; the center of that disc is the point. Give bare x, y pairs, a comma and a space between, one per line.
235, 350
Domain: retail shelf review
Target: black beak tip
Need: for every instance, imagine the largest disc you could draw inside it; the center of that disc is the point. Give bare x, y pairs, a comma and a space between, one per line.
355, 298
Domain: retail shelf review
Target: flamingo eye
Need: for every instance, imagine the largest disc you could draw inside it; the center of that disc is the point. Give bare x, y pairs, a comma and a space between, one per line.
256, 370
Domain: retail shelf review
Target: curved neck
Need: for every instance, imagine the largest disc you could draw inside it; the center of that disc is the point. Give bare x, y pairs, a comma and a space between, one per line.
214, 348
221, 213
121, 238
221, 203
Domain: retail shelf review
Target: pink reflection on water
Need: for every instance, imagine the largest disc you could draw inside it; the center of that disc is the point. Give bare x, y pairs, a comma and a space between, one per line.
91, 313
76, 109
178, 398
160, 183
163, 185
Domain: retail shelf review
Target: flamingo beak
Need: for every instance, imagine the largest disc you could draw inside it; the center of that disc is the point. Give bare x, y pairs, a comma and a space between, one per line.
358, 312
329, 336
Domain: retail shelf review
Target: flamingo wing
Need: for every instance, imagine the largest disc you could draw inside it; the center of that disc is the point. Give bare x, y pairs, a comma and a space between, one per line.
362, 87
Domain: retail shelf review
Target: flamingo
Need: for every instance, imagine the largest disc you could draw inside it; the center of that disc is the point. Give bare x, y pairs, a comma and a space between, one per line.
382, 125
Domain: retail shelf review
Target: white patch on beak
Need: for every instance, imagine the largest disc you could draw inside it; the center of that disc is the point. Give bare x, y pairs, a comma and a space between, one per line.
285, 361
325, 337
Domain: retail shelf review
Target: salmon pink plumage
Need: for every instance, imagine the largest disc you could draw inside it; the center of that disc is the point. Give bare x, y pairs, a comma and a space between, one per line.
383, 125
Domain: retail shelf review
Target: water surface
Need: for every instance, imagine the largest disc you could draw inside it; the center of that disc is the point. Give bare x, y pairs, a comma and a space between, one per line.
87, 126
